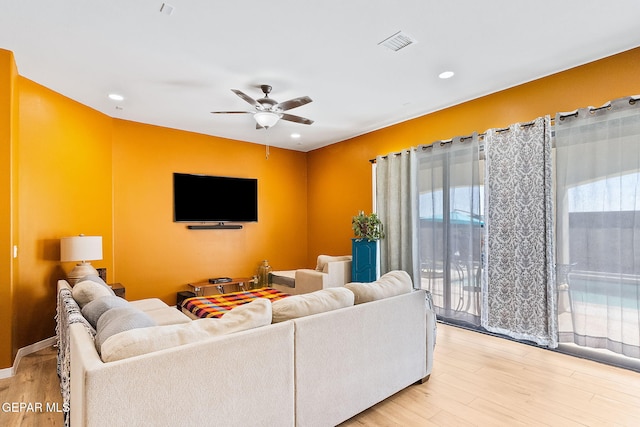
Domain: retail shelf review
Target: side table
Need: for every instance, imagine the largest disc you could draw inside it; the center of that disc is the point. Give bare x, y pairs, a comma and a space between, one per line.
200, 288
118, 289
181, 296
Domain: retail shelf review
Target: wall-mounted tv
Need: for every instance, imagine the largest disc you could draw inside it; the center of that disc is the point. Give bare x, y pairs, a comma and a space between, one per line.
206, 198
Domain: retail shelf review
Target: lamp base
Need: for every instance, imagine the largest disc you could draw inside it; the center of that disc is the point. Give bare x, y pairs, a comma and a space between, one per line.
81, 270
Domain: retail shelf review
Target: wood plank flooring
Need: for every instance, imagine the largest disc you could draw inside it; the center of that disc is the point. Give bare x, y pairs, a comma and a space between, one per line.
481, 380
35, 383
477, 380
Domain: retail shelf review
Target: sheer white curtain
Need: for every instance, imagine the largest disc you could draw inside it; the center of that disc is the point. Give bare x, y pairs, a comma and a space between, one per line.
598, 226
451, 227
396, 206
519, 298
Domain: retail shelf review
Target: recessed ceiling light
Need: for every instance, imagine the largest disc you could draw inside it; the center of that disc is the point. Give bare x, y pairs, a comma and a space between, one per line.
446, 74
116, 97
295, 135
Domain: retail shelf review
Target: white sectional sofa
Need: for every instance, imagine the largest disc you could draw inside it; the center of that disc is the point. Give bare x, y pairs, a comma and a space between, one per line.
314, 370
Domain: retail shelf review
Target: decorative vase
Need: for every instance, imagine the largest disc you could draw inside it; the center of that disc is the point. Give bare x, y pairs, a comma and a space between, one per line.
253, 283
263, 274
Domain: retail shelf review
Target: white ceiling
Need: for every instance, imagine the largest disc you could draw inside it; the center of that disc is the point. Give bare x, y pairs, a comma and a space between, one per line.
173, 70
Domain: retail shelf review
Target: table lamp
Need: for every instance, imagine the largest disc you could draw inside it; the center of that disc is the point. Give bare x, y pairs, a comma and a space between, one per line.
81, 248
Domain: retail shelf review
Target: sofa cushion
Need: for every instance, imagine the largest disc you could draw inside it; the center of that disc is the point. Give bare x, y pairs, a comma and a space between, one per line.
95, 278
86, 291
96, 308
323, 260
148, 304
315, 302
247, 316
388, 285
167, 316
141, 341
118, 320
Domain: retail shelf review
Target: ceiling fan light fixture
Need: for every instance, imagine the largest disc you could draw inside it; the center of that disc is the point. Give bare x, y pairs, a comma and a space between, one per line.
266, 119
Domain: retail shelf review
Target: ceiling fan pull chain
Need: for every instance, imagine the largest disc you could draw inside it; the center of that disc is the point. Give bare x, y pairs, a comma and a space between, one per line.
266, 144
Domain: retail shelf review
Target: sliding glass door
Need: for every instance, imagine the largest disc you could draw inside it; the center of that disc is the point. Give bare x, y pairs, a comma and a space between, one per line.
450, 227
598, 227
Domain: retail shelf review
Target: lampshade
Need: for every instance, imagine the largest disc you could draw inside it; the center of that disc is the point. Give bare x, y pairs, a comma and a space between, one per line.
81, 248
266, 119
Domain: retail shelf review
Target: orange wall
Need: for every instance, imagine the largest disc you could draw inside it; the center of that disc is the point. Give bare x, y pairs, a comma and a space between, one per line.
156, 257
64, 189
8, 146
330, 211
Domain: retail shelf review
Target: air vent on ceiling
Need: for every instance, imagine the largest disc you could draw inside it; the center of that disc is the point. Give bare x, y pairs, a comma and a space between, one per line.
166, 8
398, 41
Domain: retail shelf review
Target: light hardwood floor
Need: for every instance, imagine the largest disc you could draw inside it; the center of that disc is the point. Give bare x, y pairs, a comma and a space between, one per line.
36, 383
477, 380
481, 380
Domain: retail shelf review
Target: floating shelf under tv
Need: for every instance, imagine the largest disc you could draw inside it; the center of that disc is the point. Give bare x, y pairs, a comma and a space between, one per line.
219, 226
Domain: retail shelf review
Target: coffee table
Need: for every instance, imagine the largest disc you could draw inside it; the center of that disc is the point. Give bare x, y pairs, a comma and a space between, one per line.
236, 284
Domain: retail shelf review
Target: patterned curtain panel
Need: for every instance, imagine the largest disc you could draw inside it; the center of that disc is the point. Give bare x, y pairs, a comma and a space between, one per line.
598, 217
396, 206
519, 298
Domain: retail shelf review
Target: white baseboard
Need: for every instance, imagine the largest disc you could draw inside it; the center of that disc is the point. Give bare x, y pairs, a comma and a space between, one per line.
25, 351
6, 373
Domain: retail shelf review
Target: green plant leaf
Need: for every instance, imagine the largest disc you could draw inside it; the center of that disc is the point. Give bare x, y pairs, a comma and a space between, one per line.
367, 226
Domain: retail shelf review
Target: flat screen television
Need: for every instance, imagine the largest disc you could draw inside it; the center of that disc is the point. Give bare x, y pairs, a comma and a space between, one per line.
206, 198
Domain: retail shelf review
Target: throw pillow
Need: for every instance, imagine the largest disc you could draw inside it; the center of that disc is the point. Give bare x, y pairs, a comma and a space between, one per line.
135, 342
96, 308
97, 279
312, 303
388, 285
247, 316
86, 291
118, 320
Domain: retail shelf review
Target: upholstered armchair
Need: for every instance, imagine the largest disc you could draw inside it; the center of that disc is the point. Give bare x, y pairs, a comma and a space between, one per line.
330, 272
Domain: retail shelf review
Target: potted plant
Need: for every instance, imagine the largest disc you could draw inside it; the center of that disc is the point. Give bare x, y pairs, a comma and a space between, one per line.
367, 227
368, 230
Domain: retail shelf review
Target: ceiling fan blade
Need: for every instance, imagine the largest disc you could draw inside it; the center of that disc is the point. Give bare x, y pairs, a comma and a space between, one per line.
232, 112
258, 126
296, 119
293, 103
247, 98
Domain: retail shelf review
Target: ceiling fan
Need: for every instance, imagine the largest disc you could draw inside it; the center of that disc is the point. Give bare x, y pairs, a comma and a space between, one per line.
268, 111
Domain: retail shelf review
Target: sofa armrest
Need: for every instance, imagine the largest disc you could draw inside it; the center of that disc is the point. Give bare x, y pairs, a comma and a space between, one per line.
339, 273
380, 350
84, 358
308, 280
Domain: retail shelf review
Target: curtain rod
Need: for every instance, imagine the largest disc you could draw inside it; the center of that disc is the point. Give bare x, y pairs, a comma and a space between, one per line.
632, 101
607, 106
464, 138
591, 110
395, 154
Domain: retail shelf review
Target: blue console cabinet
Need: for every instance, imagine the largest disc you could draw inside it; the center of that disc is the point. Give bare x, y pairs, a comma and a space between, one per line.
363, 262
